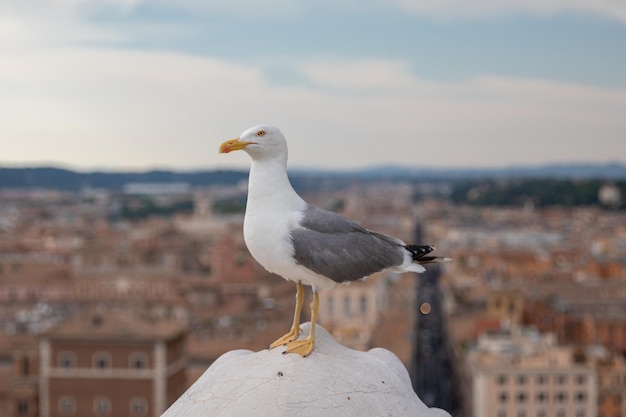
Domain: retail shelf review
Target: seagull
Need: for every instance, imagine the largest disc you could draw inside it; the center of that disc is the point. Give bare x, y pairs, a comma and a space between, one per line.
307, 244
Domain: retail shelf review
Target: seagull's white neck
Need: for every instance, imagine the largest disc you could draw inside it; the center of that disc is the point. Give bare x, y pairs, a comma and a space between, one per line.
269, 185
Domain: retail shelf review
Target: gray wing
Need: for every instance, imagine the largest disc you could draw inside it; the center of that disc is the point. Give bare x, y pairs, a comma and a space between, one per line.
341, 249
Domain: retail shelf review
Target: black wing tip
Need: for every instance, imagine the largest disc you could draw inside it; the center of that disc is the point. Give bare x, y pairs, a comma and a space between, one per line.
419, 252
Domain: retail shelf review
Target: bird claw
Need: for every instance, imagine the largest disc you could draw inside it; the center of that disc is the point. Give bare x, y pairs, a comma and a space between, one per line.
302, 347
286, 339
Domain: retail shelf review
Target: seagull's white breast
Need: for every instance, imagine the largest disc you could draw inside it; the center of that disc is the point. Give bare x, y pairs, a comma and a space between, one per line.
266, 233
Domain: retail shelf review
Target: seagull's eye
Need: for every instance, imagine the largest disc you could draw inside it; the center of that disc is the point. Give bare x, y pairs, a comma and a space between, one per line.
260, 133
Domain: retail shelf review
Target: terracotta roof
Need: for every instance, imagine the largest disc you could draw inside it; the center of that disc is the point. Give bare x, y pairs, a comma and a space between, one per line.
115, 326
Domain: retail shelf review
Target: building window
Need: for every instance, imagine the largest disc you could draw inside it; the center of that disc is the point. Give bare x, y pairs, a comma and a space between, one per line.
138, 407
102, 360
22, 408
503, 397
346, 306
561, 379
67, 406
581, 413
102, 406
25, 366
502, 379
363, 301
581, 397
541, 397
521, 379
541, 379
522, 397
66, 359
138, 360
501, 413
581, 379
541, 413
561, 397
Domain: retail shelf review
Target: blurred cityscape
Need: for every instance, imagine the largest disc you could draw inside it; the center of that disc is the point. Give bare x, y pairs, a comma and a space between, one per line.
114, 301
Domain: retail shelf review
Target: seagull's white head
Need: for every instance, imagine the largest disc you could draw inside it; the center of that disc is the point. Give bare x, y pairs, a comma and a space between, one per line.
260, 142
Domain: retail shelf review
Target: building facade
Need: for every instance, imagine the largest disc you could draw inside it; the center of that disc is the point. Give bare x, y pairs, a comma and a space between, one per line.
521, 373
351, 312
111, 365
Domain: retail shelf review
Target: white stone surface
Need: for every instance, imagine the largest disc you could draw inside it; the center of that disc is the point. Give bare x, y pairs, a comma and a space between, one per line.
332, 381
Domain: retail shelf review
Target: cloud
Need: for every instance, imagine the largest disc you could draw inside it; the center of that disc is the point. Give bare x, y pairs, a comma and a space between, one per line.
54, 23
70, 93
362, 75
467, 123
614, 9
278, 9
118, 108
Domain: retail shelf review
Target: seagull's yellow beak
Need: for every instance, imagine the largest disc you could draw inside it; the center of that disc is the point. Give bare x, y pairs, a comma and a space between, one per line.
233, 145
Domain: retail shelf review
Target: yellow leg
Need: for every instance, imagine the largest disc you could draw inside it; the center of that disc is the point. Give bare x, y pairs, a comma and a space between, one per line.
305, 346
295, 327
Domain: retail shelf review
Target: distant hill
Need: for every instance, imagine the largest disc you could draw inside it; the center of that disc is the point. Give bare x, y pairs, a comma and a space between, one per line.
63, 179
612, 170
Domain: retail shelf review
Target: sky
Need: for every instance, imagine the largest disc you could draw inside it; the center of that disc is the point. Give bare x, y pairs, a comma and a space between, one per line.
159, 84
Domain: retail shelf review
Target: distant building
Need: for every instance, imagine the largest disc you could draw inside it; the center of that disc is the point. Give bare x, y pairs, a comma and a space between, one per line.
157, 188
522, 373
508, 306
351, 312
18, 380
231, 261
611, 369
581, 319
111, 365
